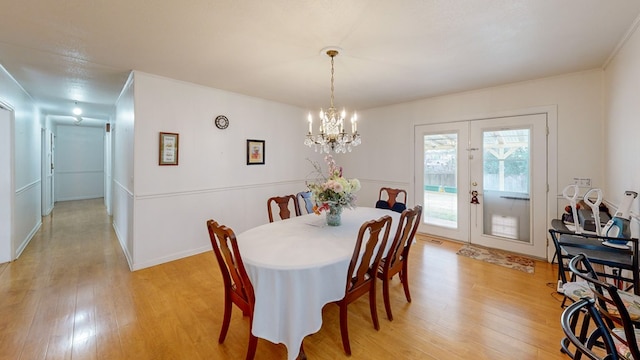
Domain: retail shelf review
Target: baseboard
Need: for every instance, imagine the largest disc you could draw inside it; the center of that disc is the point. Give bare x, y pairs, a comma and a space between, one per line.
85, 197
172, 257
27, 240
123, 246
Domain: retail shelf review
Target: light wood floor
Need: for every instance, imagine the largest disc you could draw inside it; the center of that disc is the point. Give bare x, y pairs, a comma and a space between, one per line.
71, 296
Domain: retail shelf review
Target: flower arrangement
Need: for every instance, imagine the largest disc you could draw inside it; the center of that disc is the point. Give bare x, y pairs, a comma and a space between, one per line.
334, 191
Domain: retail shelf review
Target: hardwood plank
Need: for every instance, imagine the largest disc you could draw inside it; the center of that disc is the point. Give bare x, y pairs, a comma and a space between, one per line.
71, 295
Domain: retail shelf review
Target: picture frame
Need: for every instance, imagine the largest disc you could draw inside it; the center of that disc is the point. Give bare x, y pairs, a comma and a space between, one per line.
255, 152
169, 149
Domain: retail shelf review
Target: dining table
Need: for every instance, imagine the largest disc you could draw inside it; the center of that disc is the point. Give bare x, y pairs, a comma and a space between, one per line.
297, 266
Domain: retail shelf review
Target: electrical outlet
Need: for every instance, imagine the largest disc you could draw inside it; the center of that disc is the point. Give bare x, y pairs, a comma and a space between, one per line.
582, 182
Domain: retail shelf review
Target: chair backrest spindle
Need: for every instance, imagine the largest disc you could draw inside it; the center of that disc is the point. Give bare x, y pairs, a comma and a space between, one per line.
225, 246
283, 203
405, 233
364, 263
392, 201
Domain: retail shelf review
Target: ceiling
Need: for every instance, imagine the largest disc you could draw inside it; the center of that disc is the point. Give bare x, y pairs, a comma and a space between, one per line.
392, 51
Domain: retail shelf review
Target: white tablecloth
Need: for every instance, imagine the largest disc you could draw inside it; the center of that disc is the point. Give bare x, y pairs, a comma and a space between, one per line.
297, 266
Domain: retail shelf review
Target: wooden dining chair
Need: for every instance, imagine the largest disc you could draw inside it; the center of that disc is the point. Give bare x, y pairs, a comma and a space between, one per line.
304, 197
285, 204
361, 276
396, 261
237, 286
392, 199
619, 309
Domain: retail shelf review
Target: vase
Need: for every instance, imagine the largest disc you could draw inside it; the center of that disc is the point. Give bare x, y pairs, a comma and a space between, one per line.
334, 216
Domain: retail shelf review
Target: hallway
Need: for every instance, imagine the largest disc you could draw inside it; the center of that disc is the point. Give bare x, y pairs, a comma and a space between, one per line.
71, 296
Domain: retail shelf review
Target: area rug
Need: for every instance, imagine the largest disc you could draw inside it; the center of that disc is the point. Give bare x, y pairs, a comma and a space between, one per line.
498, 257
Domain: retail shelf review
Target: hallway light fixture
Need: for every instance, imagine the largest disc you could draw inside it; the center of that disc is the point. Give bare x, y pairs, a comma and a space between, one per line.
77, 110
332, 136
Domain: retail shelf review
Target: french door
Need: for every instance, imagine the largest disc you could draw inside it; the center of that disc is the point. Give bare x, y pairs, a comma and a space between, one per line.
485, 181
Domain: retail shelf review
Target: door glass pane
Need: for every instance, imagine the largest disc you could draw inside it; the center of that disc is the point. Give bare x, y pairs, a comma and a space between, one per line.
440, 180
506, 205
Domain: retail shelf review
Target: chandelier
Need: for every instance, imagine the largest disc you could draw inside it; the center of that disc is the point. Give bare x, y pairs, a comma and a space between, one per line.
332, 136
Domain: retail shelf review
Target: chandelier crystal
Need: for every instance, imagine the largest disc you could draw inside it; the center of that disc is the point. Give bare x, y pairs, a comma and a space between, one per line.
332, 136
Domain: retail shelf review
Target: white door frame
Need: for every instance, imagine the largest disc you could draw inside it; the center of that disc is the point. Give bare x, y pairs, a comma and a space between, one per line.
552, 156
7, 189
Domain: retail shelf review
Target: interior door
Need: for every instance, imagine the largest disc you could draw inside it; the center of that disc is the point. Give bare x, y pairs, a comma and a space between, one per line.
485, 182
52, 171
47, 172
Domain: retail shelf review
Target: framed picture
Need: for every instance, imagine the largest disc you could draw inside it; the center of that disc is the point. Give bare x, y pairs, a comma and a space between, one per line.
168, 154
255, 152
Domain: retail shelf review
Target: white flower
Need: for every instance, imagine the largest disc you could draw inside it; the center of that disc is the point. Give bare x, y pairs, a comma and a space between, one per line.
355, 185
335, 190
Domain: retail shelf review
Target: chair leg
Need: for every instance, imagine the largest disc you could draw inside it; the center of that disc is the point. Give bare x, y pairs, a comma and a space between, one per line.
253, 341
404, 275
301, 354
344, 331
372, 305
385, 295
253, 345
226, 319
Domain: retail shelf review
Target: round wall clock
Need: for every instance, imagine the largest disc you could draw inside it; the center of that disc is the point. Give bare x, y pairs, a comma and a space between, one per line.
222, 122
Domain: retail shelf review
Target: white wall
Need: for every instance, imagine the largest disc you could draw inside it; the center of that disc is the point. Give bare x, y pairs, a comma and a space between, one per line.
170, 204
25, 149
162, 215
622, 119
79, 162
386, 153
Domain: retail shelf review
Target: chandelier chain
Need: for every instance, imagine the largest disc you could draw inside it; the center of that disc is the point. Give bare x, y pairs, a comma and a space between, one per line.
332, 57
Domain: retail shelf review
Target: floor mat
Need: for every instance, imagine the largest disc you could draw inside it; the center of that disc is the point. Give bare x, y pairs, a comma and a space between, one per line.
498, 257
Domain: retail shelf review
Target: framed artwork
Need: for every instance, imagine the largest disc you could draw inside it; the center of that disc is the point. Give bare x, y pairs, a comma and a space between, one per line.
168, 154
255, 152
